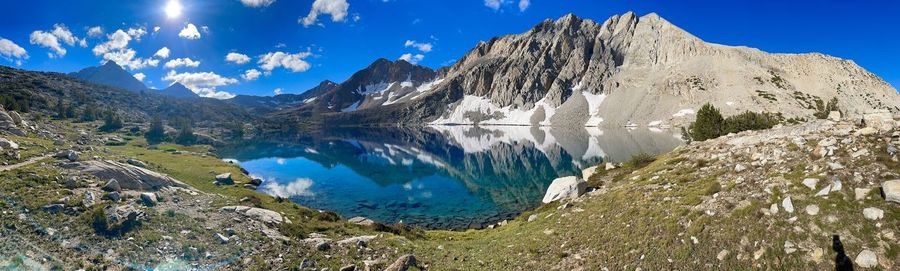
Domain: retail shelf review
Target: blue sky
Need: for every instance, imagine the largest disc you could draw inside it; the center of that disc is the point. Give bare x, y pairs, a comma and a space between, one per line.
292, 51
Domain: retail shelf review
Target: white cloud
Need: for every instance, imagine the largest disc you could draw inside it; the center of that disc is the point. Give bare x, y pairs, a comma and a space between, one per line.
257, 3
115, 41
12, 51
156, 29
182, 62
336, 8
95, 32
299, 187
237, 58
293, 62
137, 33
203, 83
63, 34
189, 32
278, 91
162, 53
47, 40
139, 76
126, 58
412, 58
424, 47
251, 74
498, 4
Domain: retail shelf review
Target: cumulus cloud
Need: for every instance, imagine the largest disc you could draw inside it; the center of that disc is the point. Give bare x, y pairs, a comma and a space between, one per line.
299, 187
498, 4
411, 58
424, 46
203, 83
336, 8
156, 29
251, 74
137, 33
63, 34
182, 62
12, 51
189, 32
47, 40
95, 32
278, 91
257, 3
139, 76
237, 58
115, 49
162, 53
293, 62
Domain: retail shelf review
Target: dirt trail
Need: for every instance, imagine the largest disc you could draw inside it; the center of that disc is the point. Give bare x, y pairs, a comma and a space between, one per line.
27, 162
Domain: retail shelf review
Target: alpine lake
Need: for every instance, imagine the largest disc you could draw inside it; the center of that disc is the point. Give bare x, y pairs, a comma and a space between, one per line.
436, 177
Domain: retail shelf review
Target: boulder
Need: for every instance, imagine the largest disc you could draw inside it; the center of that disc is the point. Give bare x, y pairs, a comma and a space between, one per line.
360, 241
89, 199
565, 188
224, 178
262, 215
112, 186
256, 181
17, 119
362, 221
610, 166
866, 259
810, 182
739, 168
7, 124
53, 208
129, 177
136, 163
148, 199
403, 263
114, 196
788, 205
873, 213
221, 238
882, 121
834, 115
123, 215
588, 172
71, 155
860, 193
8, 144
891, 190
323, 246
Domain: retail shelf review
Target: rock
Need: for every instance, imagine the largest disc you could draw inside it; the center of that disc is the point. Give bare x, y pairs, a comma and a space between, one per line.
759, 253
123, 215
114, 196
8, 144
835, 166
136, 163
224, 179
262, 215
71, 155
17, 119
882, 121
810, 182
362, 221
59, 142
891, 190
610, 166
860, 193
129, 177
148, 199
812, 209
787, 205
773, 209
8, 124
739, 168
873, 213
588, 172
867, 131
306, 263
256, 181
403, 263
221, 238
722, 255
816, 255
89, 199
866, 259
323, 246
789, 247
53, 208
360, 241
565, 188
71, 182
348, 268
834, 115
112, 186
532, 218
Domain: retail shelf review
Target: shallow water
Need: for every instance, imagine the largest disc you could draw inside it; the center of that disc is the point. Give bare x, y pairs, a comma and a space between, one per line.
450, 177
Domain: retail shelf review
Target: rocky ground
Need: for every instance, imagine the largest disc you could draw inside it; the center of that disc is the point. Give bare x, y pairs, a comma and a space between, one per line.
808, 196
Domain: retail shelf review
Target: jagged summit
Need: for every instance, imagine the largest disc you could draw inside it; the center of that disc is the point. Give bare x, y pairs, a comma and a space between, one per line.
111, 74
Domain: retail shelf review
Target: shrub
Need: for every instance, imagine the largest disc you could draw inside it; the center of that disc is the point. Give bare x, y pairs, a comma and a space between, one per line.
186, 134
708, 125
156, 133
822, 109
750, 121
111, 122
639, 160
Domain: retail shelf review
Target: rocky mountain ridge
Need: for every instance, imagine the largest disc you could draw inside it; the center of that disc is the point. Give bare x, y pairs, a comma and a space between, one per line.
628, 70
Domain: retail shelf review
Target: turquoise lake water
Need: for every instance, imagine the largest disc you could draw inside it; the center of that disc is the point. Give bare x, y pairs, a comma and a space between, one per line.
448, 177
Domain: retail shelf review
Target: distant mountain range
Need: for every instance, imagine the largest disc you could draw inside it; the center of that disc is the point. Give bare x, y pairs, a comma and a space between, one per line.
628, 70
111, 74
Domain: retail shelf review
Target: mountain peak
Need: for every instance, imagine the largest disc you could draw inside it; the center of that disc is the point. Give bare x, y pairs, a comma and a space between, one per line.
178, 90
112, 64
110, 74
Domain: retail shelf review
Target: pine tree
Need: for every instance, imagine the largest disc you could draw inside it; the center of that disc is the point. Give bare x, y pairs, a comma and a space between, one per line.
186, 134
156, 133
709, 124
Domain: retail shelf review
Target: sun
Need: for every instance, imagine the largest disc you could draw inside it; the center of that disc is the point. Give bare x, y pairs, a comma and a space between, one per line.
173, 9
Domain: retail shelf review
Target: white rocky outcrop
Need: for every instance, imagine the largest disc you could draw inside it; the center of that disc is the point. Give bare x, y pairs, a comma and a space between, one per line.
565, 188
259, 214
127, 177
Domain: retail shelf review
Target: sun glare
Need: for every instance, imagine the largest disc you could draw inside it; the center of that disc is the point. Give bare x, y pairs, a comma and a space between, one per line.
173, 9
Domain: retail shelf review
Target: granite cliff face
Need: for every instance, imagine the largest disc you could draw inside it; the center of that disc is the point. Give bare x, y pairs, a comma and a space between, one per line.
628, 70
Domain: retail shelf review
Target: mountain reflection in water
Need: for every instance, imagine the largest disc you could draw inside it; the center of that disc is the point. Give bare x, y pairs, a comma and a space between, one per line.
450, 177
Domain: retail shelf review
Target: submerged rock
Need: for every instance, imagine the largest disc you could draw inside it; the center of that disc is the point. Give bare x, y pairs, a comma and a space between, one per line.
565, 188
